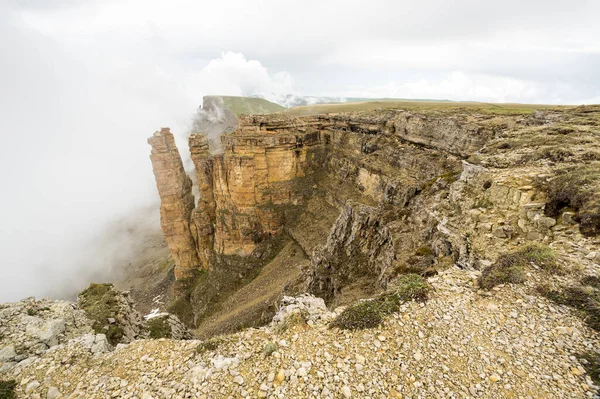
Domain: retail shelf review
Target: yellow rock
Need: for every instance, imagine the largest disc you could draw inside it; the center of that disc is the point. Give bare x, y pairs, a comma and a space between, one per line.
280, 377
395, 394
576, 371
494, 378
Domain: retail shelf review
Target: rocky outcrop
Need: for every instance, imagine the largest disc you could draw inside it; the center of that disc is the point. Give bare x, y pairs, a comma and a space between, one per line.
112, 312
166, 325
103, 319
30, 327
359, 248
177, 202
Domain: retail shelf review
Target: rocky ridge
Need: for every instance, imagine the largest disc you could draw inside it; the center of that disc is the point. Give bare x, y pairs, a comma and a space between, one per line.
102, 319
462, 343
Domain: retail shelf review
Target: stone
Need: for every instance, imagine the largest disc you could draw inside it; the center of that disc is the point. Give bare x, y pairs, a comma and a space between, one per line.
100, 344
46, 331
7, 353
346, 391
239, 380
32, 386
53, 393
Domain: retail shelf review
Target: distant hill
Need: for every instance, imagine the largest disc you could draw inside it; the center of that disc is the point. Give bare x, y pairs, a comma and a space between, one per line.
243, 105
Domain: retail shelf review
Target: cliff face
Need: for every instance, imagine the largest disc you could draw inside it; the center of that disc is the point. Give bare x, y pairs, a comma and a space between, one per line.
368, 195
177, 202
273, 163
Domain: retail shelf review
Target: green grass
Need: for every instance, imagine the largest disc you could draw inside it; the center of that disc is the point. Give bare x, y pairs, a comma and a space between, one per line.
159, 328
578, 188
247, 105
486, 108
209, 345
584, 298
7, 389
372, 313
511, 267
99, 301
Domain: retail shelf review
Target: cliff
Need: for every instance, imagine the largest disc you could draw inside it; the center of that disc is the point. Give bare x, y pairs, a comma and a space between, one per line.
368, 195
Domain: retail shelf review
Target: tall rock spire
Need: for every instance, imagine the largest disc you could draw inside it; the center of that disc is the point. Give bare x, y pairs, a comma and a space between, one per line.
177, 202
203, 217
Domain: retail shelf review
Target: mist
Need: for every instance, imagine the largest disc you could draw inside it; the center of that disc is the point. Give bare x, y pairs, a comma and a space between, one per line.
77, 184
85, 83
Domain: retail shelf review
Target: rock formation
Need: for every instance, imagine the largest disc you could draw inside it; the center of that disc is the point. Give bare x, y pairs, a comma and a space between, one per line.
367, 195
177, 202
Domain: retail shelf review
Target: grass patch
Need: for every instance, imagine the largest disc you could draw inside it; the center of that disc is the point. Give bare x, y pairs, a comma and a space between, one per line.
372, 313
511, 267
159, 327
423, 251
365, 314
7, 389
579, 189
99, 301
209, 345
586, 299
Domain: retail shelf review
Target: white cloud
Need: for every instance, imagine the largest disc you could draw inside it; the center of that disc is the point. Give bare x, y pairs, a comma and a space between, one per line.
85, 82
461, 86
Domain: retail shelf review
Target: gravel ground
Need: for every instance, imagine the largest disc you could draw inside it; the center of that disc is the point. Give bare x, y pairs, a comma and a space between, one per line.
462, 343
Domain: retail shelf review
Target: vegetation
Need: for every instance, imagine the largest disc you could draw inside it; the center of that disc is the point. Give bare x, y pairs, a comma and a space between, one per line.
372, 313
159, 328
209, 345
100, 303
585, 298
269, 348
423, 251
443, 106
579, 189
7, 389
247, 105
591, 363
511, 267
295, 319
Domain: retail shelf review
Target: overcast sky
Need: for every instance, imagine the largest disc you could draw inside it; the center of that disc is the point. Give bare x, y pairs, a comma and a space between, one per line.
84, 83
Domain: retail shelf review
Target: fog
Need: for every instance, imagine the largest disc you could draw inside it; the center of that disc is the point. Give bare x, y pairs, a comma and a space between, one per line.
85, 83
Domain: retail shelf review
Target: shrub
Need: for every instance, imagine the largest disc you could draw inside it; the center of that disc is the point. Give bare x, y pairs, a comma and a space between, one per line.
372, 313
7, 389
578, 189
510, 267
364, 314
269, 348
159, 328
408, 287
209, 345
423, 251
583, 298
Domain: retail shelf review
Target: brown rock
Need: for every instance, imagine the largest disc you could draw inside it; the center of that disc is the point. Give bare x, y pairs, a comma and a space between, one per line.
177, 202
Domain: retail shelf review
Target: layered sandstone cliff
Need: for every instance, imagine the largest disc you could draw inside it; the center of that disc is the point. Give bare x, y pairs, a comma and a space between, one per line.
176, 202
403, 184
273, 162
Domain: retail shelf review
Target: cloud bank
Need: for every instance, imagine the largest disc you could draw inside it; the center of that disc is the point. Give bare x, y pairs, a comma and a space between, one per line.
86, 82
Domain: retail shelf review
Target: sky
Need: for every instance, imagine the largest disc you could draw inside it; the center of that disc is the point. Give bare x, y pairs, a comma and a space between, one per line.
85, 82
